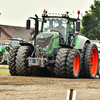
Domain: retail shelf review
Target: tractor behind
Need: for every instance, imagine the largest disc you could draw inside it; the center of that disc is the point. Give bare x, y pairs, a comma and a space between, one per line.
5, 47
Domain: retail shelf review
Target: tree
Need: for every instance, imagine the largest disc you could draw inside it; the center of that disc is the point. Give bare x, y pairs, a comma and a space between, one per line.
91, 22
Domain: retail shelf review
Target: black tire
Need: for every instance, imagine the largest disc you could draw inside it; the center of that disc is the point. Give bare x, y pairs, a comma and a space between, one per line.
91, 61
60, 63
11, 61
99, 68
73, 63
82, 53
22, 67
99, 71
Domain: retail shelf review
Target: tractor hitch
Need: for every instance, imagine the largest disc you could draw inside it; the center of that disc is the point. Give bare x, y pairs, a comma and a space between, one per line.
37, 62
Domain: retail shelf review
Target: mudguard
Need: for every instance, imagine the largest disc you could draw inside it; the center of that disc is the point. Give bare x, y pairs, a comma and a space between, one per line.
28, 44
80, 41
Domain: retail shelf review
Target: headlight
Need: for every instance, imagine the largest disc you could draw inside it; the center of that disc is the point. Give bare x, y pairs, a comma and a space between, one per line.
45, 48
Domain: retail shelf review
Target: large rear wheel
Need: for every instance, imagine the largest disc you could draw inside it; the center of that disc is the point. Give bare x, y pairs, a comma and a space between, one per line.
91, 61
82, 54
99, 68
22, 67
99, 71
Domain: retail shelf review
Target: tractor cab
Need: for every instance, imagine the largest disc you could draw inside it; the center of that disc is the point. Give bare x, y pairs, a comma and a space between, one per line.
56, 24
61, 26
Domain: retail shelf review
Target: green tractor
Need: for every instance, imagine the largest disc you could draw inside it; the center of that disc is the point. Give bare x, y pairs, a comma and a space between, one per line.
58, 50
3, 55
4, 51
5, 47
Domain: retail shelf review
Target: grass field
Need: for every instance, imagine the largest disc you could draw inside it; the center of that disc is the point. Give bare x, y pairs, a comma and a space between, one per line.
4, 66
4, 72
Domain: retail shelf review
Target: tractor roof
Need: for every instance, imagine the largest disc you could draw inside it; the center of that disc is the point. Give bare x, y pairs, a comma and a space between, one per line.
45, 14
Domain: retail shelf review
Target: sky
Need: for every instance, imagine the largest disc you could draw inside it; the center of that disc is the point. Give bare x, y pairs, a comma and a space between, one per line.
16, 12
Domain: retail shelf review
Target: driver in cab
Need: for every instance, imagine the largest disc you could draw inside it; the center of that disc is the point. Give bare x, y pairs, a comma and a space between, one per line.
51, 27
60, 28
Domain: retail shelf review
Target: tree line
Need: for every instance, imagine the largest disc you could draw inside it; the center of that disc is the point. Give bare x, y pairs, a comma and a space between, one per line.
91, 22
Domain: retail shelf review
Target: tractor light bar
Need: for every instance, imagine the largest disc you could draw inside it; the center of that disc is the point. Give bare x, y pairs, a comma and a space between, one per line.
54, 13
45, 13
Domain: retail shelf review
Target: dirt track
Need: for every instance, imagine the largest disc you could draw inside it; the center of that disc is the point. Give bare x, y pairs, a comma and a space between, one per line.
44, 88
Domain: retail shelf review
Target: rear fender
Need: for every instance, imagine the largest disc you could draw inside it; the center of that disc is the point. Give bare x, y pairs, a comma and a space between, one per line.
28, 44
80, 41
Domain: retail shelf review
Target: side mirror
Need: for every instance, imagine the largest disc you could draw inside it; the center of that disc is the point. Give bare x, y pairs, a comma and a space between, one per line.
77, 26
28, 24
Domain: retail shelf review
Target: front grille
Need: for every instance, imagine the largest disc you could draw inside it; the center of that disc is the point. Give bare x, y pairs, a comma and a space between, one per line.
43, 39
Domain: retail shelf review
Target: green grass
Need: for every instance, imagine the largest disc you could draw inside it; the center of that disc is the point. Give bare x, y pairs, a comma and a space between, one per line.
4, 66
4, 72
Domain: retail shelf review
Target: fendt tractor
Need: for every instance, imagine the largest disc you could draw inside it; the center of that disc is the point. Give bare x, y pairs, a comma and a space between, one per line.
58, 50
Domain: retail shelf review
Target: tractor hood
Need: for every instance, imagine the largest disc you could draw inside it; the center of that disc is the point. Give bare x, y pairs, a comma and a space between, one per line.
2, 50
43, 40
47, 34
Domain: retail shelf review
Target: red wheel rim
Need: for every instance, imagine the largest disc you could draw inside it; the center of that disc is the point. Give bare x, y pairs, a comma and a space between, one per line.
28, 68
94, 61
76, 64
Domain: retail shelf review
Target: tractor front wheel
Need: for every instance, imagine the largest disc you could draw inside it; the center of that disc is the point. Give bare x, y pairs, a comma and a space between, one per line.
11, 61
22, 67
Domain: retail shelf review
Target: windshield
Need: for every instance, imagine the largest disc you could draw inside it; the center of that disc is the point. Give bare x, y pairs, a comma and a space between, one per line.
57, 24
